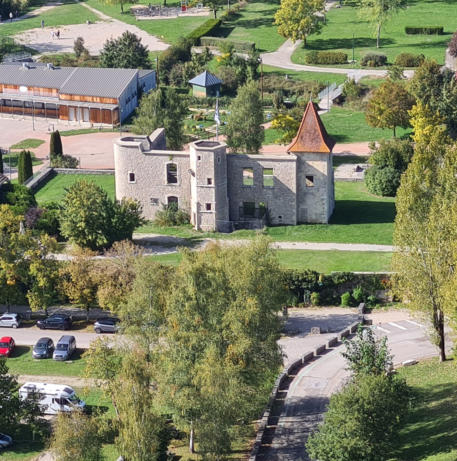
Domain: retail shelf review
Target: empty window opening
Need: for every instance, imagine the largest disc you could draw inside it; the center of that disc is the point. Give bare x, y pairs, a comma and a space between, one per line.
131, 177
199, 157
249, 209
268, 177
248, 177
208, 206
209, 181
172, 202
172, 173
309, 181
154, 201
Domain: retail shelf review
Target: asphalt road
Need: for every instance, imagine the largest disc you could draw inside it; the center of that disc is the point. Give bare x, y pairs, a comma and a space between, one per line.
310, 391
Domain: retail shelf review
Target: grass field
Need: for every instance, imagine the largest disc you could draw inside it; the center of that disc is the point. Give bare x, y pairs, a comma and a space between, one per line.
320, 261
22, 363
345, 25
430, 432
347, 125
322, 77
168, 30
254, 23
13, 158
29, 143
359, 217
70, 13
54, 190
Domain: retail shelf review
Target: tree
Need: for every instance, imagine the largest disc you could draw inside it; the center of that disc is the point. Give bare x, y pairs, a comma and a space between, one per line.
76, 437
389, 105
214, 5
244, 126
423, 260
118, 2
79, 48
287, 125
362, 420
126, 52
379, 12
296, 19
1, 161
162, 109
92, 220
426, 84
24, 166
55, 145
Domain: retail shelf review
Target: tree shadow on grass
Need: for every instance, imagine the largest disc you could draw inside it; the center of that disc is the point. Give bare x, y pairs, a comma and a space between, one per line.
19, 351
429, 429
363, 212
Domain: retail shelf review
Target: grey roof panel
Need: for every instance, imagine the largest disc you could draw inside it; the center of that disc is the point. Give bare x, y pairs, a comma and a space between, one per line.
34, 75
205, 79
101, 82
143, 72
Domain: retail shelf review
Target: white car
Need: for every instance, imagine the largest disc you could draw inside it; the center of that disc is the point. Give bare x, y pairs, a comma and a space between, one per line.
5, 441
10, 320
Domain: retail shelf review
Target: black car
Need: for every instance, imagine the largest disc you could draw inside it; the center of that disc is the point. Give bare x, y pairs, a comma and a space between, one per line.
106, 325
55, 322
43, 348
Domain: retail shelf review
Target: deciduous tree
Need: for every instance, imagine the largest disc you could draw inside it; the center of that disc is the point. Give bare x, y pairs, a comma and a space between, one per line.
126, 52
162, 109
389, 105
287, 125
297, 19
244, 129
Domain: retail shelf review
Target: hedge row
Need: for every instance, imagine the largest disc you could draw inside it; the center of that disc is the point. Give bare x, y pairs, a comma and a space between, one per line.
240, 46
203, 29
425, 30
374, 60
326, 57
409, 60
310, 286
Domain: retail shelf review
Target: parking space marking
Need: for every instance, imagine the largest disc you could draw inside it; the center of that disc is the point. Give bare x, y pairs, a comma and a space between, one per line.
383, 329
415, 323
397, 325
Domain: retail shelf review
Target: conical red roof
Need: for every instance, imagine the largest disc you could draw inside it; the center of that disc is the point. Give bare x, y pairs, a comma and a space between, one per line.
312, 135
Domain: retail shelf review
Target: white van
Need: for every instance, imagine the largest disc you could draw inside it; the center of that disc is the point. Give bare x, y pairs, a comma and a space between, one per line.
52, 398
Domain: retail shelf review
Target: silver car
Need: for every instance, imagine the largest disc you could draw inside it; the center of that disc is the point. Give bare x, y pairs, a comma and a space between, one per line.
10, 320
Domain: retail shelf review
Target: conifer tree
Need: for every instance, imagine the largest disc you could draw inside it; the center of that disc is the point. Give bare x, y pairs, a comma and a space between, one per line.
55, 145
24, 166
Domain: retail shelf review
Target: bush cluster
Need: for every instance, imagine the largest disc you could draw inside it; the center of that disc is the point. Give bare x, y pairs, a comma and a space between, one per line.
326, 57
424, 30
203, 30
171, 215
238, 45
382, 181
374, 60
409, 60
453, 45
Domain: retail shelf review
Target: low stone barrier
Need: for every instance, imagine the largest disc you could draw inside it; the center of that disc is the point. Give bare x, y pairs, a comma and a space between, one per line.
332, 342
82, 171
319, 350
343, 334
43, 176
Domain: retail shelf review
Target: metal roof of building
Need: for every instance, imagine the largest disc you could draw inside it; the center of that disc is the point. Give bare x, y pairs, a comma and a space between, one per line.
87, 81
205, 79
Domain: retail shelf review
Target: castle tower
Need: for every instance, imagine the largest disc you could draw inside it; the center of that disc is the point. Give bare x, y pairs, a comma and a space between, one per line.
209, 200
315, 185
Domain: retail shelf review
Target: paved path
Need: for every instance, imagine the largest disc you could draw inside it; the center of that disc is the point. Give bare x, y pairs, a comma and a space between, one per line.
282, 58
309, 392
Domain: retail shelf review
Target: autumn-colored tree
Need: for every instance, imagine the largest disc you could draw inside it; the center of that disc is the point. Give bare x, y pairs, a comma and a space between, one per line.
297, 19
424, 122
287, 126
389, 105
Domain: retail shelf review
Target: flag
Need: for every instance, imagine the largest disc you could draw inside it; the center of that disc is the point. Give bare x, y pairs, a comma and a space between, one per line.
216, 114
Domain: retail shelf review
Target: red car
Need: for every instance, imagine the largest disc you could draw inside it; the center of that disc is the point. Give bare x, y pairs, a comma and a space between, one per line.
6, 346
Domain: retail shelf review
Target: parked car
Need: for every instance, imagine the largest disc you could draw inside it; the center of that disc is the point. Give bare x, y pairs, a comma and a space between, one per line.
64, 348
106, 325
43, 348
6, 346
55, 322
10, 320
5, 441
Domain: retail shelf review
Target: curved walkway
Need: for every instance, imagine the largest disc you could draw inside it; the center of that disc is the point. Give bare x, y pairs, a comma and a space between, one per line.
282, 58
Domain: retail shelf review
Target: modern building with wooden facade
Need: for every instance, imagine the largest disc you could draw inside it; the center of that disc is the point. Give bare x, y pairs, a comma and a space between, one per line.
205, 85
79, 94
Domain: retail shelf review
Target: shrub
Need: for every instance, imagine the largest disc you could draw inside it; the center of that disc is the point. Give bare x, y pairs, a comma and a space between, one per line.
203, 30
346, 299
382, 181
238, 45
374, 60
64, 161
326, 57
357, 294
55, 144
19, 197
395, 153
409, 60
371, 300
315, 298
352, 90
453, 45
171, 215
424, 30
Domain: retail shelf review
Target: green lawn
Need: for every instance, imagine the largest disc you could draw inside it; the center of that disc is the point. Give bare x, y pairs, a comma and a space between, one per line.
62, 15
22, 363
84, 131
29, 143
320, 261
169, 30
12, 160
359, 217
271, 136
54, 190
322, 77
347, 125
430, 432
345, 23
254, 23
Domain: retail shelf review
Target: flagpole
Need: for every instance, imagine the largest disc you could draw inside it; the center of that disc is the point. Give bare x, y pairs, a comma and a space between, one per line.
216, 116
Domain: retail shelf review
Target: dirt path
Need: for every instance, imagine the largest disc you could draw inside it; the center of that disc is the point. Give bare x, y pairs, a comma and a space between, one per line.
73, 381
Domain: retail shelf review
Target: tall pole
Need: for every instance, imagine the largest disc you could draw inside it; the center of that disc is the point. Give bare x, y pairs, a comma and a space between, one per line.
261, 78
157, 71
33, 115
353, 55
